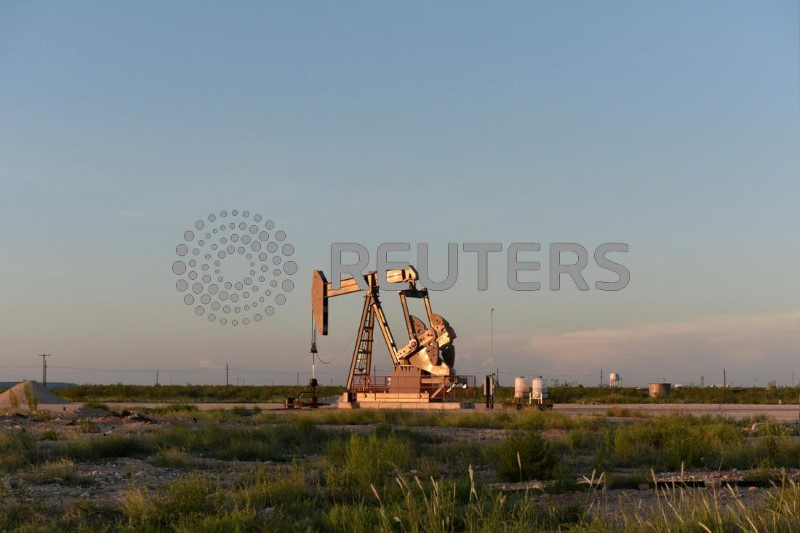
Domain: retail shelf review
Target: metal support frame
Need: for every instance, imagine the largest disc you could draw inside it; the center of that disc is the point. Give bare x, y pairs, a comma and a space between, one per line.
429, 348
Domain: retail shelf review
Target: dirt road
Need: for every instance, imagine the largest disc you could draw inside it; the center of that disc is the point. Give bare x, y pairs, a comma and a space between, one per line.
781, 413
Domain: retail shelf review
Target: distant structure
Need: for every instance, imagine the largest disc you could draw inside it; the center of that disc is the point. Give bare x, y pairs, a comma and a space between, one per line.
614, 379
657, 390
17, 396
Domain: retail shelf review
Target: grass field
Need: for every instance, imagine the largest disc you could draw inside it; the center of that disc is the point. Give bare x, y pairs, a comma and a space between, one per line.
329, 470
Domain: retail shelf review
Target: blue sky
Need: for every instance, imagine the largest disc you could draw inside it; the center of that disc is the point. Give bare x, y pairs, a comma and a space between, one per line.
673, 127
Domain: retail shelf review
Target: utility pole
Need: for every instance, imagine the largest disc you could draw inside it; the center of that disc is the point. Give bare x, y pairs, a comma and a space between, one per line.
156, 377
702, 381
44, 357
601, 378
491, 338
226, 374
724, 378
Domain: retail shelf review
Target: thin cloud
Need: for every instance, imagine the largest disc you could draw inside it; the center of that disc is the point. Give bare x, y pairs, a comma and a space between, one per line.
711, 330
759, 347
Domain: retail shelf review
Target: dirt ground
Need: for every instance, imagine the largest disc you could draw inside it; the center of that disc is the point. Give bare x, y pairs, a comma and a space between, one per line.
105, 481
781, 413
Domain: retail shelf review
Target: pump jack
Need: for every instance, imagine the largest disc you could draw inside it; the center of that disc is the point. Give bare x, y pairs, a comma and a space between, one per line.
423, 367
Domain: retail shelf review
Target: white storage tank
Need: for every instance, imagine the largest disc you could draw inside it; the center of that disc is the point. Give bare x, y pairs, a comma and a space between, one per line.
521, 388
613, 379
539, 388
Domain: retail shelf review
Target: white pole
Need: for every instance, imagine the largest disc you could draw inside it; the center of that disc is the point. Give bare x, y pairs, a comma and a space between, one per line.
491, 337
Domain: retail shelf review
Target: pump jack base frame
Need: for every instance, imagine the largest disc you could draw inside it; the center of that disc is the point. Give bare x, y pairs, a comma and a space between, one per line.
409, 388
382, 400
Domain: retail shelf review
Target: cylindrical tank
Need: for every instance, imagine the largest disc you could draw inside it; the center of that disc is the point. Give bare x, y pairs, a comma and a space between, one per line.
656, 390
521, 388
613, 379
539, 388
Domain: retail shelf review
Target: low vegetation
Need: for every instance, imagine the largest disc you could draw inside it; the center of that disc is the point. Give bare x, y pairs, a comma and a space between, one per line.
328, 470
185, 393
559, 394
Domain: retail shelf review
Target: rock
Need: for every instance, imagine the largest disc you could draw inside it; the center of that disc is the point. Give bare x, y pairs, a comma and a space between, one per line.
139, 417
265, 513
752, 490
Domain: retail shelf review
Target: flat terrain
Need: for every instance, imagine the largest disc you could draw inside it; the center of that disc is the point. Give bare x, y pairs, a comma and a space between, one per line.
245, 466
781, 413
